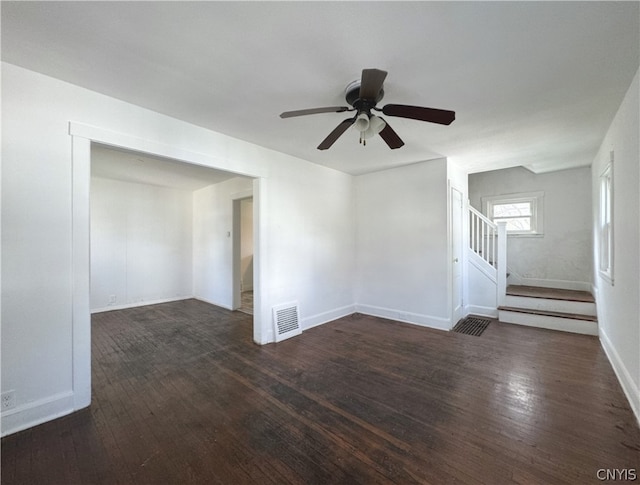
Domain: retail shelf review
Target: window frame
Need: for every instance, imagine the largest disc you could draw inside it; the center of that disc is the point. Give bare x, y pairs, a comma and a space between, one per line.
605, 222
536, 199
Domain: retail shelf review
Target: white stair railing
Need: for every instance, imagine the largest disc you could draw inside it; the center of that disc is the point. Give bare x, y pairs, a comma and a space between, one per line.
489, 241
483, 237
501, 269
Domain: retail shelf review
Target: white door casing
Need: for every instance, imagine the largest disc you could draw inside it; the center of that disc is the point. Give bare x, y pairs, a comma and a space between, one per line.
457, 307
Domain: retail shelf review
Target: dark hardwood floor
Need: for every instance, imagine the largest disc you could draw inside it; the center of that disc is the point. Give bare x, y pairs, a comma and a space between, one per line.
552, 293
181, 395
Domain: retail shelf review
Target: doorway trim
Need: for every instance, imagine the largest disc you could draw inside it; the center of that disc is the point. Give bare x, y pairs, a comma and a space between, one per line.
461, 259
82, 136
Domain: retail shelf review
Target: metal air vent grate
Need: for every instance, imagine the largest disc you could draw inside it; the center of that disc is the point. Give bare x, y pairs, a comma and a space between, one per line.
286, 321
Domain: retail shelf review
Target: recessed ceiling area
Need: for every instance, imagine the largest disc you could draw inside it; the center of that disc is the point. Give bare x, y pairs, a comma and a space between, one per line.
532, 83
134, 167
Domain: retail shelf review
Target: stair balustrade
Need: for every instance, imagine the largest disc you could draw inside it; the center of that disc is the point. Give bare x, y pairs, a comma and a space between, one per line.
489, 241
483, 237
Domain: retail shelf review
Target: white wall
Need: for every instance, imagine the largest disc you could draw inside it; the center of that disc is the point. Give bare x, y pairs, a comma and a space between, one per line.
246, 244
212, 240
562, 257
141, 244
306, 236
313, 231
458, 177
618, 305
401, 227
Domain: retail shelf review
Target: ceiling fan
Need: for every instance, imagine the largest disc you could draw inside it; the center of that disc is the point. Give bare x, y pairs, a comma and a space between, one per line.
362, 96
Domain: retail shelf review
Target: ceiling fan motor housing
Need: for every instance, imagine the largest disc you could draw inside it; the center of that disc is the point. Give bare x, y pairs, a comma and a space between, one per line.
352, 95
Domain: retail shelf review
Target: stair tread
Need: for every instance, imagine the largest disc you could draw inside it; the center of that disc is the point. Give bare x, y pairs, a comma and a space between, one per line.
550, 293
574, 316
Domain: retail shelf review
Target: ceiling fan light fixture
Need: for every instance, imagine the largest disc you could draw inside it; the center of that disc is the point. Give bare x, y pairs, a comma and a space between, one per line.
362, 122
376, 125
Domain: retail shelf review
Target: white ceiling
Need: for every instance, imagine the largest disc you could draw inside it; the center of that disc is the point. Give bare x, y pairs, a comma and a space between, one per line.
135, 167
532, 83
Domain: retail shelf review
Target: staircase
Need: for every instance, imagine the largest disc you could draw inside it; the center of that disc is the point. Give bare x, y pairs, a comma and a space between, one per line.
551, 308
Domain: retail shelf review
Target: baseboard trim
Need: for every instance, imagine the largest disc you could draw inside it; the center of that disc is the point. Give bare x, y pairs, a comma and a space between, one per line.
214, 303
37, 412
404, 316
630, 389
139, 304
481, 311
326, 317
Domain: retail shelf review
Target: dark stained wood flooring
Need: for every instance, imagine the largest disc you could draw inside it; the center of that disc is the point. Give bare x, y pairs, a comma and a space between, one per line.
181, 395
552, 293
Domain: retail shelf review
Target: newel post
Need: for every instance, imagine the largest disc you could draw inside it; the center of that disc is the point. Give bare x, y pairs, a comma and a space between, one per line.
502, 262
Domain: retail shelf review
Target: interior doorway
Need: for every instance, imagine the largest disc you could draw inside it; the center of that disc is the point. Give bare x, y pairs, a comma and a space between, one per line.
82, 137
243, 251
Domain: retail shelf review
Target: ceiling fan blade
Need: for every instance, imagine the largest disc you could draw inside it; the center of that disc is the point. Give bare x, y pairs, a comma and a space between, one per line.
336, 133
432, 115
390, 137
371, 83
313, 111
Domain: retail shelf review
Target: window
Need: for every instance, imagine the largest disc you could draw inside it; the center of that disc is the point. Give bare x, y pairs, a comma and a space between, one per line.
521, 212
605, 222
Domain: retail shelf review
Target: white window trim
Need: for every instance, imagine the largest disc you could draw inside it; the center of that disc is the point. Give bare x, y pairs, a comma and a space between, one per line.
537, 210
606, 189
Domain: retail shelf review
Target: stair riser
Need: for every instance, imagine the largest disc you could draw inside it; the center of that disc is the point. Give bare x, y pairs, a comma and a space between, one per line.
545, 304
552, 323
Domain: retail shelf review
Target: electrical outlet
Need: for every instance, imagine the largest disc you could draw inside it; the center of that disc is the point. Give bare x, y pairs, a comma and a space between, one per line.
8, 400
112, 299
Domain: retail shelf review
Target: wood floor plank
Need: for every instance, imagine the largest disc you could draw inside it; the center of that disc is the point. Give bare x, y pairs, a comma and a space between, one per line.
182, 395
551, 293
